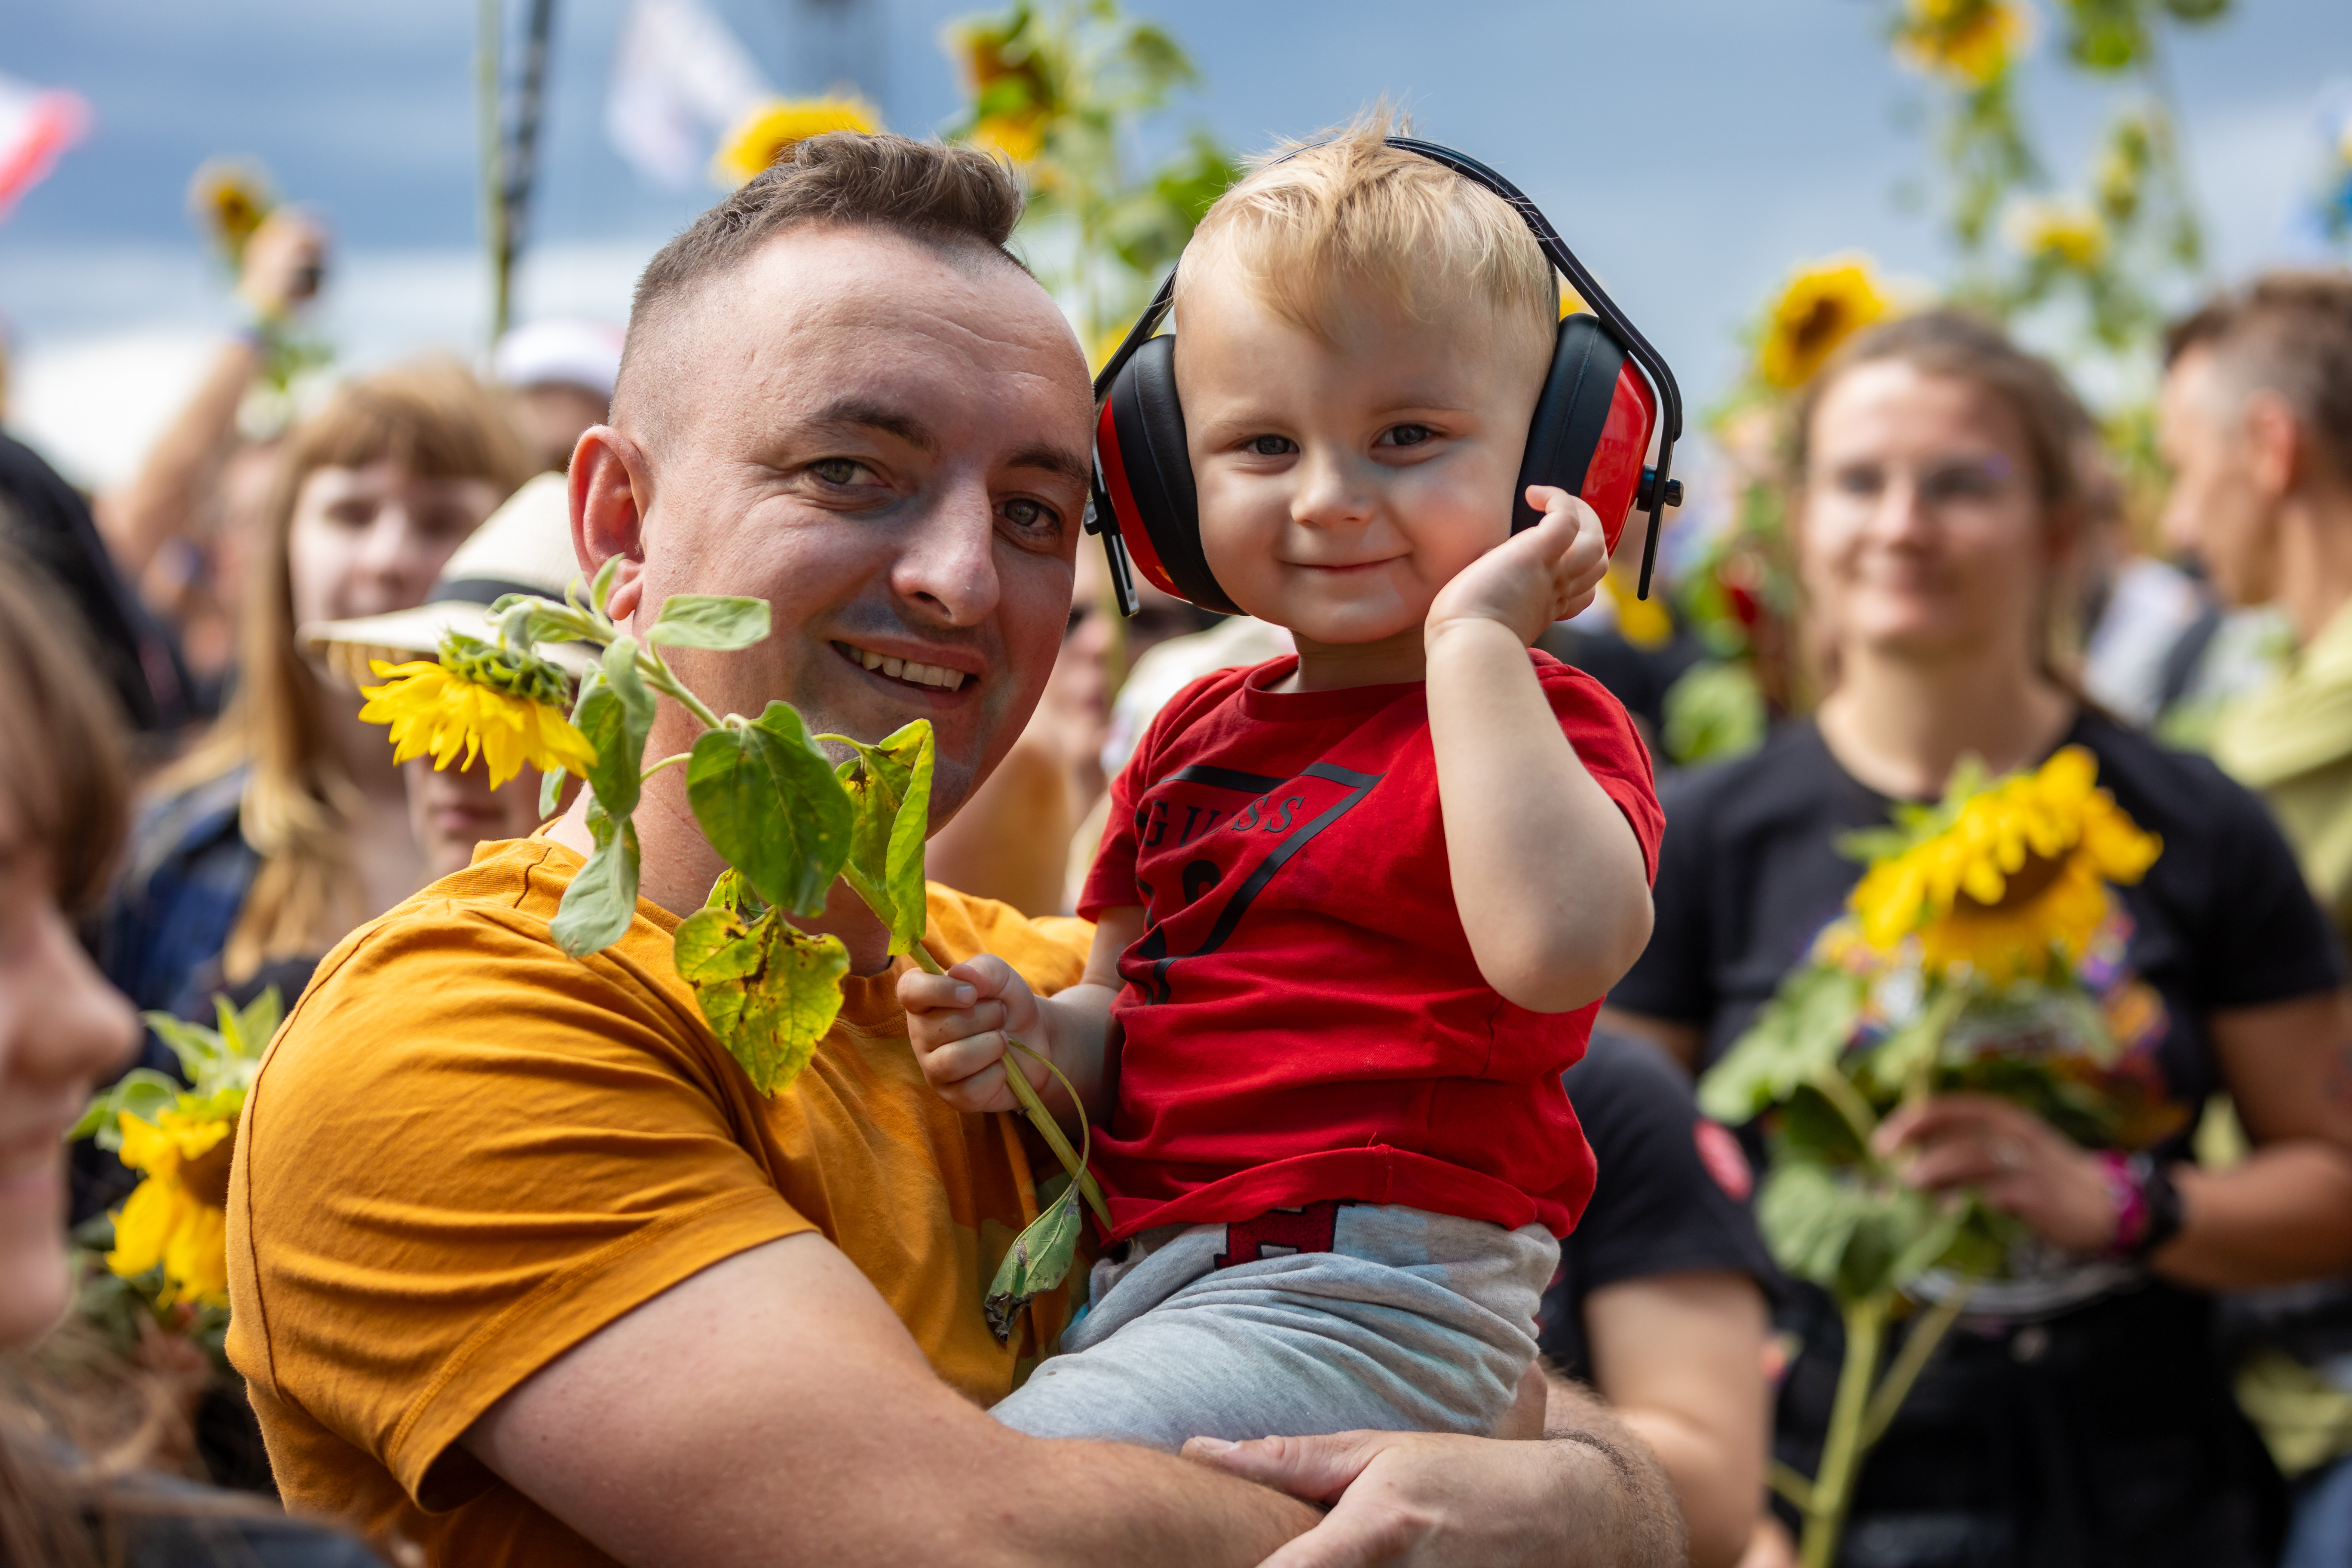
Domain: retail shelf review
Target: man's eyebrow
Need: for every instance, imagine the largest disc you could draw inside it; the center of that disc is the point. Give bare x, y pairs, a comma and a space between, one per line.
879, 416
1054, 460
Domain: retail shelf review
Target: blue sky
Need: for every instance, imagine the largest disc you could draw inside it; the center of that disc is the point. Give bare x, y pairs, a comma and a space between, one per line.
1692, 150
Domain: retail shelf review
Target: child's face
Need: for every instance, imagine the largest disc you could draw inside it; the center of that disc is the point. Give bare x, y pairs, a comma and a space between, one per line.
1342, 484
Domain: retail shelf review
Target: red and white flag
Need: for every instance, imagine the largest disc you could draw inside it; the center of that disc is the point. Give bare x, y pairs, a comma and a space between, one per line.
36, 124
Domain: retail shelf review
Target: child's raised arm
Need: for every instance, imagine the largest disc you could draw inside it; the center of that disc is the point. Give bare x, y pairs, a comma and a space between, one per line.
1550, 881
958, 1022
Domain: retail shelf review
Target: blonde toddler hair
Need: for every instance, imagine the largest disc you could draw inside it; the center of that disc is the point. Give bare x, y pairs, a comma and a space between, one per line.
1320, 219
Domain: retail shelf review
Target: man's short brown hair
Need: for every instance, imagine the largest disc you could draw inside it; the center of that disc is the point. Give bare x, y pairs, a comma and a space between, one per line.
2289, 334
950, 198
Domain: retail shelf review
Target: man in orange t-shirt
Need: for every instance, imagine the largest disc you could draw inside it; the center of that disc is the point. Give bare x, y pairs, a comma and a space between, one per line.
523, 1270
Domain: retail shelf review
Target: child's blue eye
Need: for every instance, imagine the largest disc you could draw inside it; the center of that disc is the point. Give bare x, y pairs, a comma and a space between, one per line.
1405, 436
1273, 446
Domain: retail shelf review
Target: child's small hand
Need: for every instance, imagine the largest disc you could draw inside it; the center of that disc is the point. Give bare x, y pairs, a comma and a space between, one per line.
958, 1023
1532, 579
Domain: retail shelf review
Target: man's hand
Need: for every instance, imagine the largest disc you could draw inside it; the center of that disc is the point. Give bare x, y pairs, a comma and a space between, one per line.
1431, 1502
958, 1022
1529, 581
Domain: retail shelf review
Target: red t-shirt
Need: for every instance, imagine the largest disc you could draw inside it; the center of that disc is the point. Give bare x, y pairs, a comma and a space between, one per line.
1303, 1018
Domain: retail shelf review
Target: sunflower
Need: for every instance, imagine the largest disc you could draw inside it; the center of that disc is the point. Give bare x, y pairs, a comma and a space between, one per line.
228, 199
775, 127
2017, 875
177, 1217
1014, 100
478, 699
2069, 232
1823, 306
1973, 40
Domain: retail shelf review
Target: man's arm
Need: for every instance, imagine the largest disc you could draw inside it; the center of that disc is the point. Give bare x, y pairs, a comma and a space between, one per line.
1679, 1357
771, 1409
1587, 1495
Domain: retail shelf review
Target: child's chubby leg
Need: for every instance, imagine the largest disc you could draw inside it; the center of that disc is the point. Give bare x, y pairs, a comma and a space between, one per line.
1407, 1321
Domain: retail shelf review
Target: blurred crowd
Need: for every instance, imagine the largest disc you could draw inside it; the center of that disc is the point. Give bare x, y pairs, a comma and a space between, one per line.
179, 733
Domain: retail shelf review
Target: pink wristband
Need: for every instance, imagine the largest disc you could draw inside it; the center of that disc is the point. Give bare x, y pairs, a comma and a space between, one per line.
2131, 1205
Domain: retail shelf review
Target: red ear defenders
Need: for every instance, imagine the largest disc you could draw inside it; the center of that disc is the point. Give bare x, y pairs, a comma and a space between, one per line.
1591, 432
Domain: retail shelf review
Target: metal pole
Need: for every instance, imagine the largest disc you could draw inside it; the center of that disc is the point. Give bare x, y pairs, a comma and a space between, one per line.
490, 27
523, 153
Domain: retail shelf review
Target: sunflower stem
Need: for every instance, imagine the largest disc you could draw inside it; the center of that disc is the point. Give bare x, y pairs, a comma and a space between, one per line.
1850, 1106
671, 761
1072, 1161
658, 674
1918, 1348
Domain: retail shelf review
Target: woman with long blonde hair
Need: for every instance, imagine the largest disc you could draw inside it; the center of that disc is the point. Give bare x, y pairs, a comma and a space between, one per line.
288, 825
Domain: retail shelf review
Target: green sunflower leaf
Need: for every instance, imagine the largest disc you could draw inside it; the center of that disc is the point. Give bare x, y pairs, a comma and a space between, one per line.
768, 990
769, 802
602, 898
616, 714
1038, 1260
890, 790
710, 620
1801, 1032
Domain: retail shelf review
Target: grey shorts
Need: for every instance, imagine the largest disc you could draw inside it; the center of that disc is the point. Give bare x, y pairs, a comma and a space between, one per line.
1411, 1321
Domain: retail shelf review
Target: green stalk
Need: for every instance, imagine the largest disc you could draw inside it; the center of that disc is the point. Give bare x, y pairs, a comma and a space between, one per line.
1035, 1108
1917, 1349
1833, 1489
669, 761
1849, 1104
656, 672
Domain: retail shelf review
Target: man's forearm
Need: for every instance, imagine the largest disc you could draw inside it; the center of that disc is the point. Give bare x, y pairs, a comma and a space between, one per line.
1625, 1514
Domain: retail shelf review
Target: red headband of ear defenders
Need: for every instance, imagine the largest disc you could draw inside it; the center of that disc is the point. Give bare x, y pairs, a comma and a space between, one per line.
1600, 406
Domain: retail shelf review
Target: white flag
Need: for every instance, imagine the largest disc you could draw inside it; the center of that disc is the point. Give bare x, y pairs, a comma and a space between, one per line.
35, 125
679, 80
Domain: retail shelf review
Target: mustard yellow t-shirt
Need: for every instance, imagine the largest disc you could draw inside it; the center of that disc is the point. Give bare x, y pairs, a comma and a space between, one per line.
466, 1152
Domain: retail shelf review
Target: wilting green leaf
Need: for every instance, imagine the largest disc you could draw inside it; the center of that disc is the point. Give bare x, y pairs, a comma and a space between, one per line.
769, 802
602, 898
245, 1034
710, 620
1801, 1032
1849, 1234
768, 990
602, 588
1038, 1260
617, 715
890, 790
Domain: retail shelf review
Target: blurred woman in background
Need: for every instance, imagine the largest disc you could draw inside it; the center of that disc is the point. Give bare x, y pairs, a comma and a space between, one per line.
2080, 1413
73, 1489
288, 825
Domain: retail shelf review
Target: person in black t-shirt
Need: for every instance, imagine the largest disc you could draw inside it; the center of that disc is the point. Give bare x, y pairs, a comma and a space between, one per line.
2079, 1414
1660, 1298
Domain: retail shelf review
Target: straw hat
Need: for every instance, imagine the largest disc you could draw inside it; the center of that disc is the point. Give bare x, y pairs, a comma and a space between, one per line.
524, 547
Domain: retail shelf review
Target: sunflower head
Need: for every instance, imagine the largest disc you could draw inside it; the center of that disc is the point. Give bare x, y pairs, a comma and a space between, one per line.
1016, 96
2068, 233
1823, 305
228, 199
176, 1217
479, 697
1969, 41
2010, 877
774, 128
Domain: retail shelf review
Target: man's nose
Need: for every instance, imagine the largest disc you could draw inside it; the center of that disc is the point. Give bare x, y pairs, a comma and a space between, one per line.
946, 560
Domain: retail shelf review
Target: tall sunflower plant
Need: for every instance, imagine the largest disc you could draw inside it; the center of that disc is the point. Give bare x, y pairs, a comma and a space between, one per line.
788, 820
1981, 951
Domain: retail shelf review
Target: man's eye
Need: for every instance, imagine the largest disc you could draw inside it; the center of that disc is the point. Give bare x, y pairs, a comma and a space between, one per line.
1028, 515
1858, 482
1272, 446
1405, 434
837, 470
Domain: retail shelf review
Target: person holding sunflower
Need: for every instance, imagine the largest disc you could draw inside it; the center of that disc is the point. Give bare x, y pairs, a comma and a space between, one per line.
2079, 1414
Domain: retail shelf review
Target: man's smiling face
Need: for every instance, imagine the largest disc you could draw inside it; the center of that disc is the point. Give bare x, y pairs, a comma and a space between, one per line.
888, 442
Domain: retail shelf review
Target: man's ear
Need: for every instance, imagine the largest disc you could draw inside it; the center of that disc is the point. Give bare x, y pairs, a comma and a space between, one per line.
612, 489
2276, 453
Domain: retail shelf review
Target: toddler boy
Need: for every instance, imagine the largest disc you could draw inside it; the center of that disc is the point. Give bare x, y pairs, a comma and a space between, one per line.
1356, 908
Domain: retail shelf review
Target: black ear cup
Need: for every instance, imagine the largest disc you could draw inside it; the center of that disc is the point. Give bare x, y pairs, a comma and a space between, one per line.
1147, 474
1569, 414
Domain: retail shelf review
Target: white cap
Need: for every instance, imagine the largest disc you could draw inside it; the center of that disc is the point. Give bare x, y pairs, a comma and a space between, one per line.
525, 547
573, 350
